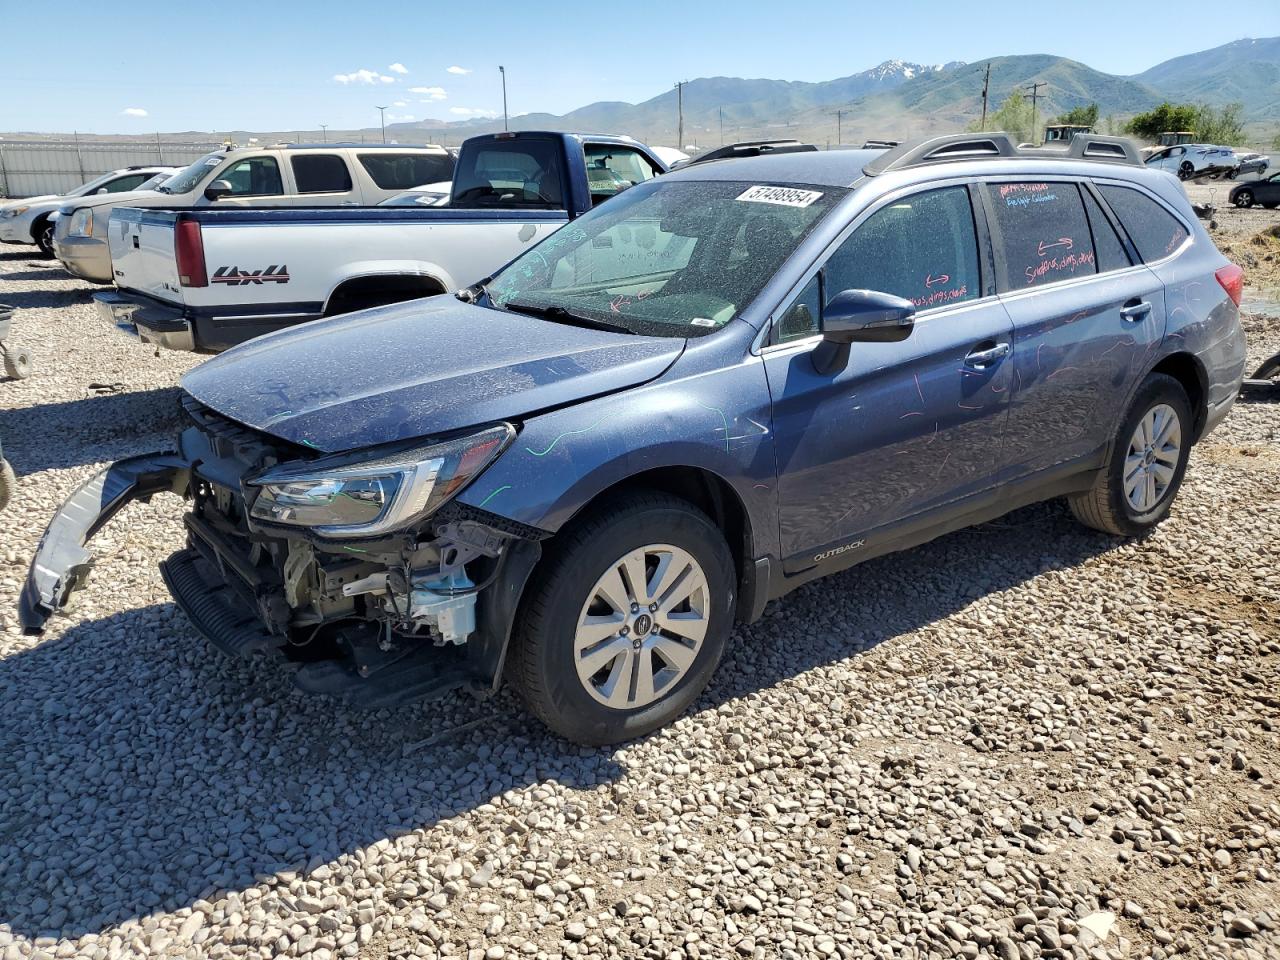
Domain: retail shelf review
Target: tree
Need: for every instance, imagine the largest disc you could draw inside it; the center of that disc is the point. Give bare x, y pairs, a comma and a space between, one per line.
1275, 144
1220, 124
1080, 116
1013, 117
1151, 124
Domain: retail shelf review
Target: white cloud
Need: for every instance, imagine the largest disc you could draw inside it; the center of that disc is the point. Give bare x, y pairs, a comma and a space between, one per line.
432, 93
472, 112
458, 71
400, 103
133, 112
363, 76
399, 68
399, 117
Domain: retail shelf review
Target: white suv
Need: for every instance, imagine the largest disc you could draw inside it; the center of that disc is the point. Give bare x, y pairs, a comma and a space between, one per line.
285, 175
28, 220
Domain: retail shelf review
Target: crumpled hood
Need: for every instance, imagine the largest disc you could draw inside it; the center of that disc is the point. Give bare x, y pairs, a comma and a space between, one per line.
417, 369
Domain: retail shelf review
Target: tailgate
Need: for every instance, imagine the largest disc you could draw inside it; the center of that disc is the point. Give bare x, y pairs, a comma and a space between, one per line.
142, 255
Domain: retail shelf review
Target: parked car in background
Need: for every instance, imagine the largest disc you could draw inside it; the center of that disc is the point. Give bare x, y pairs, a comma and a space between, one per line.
1264, 192
27, 220
720, 385
211, 278
8, 479
1250, 164
285, 175
1193, 159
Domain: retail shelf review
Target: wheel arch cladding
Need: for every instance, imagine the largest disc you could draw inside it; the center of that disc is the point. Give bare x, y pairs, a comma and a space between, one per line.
1187, 370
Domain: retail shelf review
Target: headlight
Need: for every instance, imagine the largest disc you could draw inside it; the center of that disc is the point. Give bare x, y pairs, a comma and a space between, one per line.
81, 224
13, 211
344, 497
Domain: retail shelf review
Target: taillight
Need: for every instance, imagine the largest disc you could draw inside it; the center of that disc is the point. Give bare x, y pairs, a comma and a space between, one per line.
1232, 279
188, 248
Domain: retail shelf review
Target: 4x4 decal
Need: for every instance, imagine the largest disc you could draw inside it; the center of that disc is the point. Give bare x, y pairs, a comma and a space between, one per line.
234, 276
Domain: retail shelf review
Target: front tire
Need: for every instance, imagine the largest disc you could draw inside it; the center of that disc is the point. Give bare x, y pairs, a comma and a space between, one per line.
1136, 487
1244, 199
43, 236
626, 621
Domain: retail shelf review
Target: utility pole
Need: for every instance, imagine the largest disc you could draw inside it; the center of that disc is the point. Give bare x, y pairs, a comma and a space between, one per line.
680, 114
986, 86
324, 132
839, 127
503, 70
382, 116
1035, 95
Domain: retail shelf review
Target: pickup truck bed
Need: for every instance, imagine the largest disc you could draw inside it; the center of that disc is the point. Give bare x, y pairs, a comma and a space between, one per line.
207, 279
268, 268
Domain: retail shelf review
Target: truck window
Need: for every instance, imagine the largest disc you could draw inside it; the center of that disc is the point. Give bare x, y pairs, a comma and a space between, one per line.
611, 169
518, 172
321, 173
403, 171
253, 177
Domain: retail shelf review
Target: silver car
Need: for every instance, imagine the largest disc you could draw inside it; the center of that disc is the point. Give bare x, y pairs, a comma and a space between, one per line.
28, 220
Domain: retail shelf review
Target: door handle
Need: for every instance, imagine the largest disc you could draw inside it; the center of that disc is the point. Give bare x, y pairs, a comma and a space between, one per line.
1133, 311
981, 359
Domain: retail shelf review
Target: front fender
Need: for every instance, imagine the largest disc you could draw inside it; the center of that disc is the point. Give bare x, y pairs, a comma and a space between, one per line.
719, 422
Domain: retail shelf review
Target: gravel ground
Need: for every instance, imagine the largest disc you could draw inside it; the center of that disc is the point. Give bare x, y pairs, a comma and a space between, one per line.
1022, 740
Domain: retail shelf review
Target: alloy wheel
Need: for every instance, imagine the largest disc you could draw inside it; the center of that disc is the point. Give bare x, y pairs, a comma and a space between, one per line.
642, 626
1152, 460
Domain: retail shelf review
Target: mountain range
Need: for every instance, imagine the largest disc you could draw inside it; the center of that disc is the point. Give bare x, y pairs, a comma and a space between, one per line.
897, 99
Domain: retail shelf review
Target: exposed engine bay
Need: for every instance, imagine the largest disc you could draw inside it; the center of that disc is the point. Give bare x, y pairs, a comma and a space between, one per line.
351, 614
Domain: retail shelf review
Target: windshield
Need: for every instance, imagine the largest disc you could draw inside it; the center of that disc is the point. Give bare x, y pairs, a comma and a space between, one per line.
184, 181
666, 258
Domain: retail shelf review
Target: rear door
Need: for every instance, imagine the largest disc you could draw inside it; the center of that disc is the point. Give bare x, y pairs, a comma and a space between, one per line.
322, 179
904, 429
1085, 312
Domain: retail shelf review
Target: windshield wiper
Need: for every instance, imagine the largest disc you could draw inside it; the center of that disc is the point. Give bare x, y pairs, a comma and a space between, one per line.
561, 315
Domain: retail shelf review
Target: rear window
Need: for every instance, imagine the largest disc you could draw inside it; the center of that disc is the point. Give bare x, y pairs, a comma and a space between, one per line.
1153, 229
1041, 230
522, 172
321, 173
403, 171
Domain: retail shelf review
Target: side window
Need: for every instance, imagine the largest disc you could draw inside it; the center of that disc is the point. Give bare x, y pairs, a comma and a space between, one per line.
801, 319
1153, 229
321, 173
1110, 251
404, 171
1041, 230
922, 247
131, 182
253, 177
611, 169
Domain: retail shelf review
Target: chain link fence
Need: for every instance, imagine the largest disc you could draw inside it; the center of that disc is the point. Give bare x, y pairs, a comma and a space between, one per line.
30, 168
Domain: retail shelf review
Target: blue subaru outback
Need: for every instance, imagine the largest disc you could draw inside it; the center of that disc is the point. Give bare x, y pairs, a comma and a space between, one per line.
715, 387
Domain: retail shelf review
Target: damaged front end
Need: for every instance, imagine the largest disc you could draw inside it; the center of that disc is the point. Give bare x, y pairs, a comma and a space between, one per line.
360, 570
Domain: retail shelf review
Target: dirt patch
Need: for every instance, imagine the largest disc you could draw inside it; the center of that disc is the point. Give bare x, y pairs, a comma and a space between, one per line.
1258, 254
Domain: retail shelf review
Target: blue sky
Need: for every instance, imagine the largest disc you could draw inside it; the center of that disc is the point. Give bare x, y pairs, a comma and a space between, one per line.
274, 64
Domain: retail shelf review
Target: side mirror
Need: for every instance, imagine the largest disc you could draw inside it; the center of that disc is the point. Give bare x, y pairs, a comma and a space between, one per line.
860, 316
100, 191
217, 190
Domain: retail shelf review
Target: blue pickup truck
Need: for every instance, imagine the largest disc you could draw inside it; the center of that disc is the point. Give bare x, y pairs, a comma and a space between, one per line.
206, 279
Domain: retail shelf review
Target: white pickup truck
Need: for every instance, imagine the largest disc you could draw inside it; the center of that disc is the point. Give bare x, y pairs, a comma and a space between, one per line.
208, 279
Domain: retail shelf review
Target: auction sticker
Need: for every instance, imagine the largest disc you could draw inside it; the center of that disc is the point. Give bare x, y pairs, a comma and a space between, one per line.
782, 196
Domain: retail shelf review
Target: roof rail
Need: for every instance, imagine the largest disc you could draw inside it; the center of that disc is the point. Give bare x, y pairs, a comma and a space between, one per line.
980, 146
754, 148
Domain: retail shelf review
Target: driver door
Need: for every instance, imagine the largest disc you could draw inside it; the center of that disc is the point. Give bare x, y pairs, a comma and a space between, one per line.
907, 430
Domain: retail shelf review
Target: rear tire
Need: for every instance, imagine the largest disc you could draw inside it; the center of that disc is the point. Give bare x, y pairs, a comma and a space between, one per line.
1186, 170
1136, 487
653, 649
